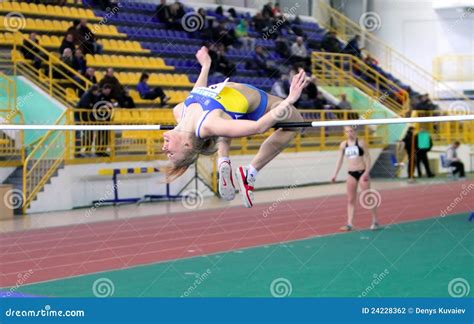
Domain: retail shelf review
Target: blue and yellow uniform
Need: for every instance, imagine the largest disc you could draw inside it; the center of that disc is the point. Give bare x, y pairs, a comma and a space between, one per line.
229, 100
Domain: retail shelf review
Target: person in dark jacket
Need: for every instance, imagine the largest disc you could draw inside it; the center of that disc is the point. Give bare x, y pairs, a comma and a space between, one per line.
330, 43
352, 47
117, 92
148, 93
89, 74
86, 103
68, 42
30, 52
79, 62
410, 147
102, 113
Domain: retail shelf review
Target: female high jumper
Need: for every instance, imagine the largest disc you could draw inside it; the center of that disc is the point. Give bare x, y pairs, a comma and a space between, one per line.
211, 116
358, 158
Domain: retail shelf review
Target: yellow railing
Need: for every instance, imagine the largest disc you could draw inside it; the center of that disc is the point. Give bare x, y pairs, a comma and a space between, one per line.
446, 132
12, 150
333, 69
454, 67
390, 59
43, 161
54, 77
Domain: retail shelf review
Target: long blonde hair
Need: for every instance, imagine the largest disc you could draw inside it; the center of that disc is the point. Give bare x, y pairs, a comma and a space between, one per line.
206, 146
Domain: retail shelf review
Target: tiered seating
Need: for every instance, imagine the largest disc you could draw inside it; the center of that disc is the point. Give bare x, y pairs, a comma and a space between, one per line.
127, 62
60, 27
32, 9
156, 79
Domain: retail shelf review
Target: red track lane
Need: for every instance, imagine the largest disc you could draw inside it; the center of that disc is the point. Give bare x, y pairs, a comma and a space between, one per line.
87, 248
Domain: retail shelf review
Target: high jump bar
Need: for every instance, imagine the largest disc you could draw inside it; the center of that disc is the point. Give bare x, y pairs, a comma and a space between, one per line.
308, 124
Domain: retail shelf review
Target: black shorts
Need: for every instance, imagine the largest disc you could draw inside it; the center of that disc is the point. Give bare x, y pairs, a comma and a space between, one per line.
356, 174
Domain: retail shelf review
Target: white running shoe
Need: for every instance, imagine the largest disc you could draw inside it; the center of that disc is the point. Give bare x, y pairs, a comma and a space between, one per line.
226, 181
245, 185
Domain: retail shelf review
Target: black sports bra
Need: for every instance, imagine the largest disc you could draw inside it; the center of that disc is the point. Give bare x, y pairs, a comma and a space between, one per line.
353, 151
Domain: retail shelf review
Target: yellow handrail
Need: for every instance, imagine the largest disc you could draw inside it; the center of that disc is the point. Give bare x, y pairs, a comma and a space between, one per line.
42, 162
333, 69
390, 59
454, 67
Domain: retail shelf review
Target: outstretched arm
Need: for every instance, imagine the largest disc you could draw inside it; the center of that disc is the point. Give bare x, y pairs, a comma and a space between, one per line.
205, 60
217, 126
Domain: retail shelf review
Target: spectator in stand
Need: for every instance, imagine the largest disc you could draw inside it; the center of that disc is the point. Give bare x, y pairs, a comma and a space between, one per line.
148, 93
30, 52
277, 11
164, 15
259, 23
220, 64
242, 33
79, 61
268, 10
369, 60
89, 45
177, 12
68, 42
206, 31
344, 104
425, 103
454, 161
281, 87
68, 59
232, 14
299, 53
282, 48
76, 34
263, 63
352, 47
330, 43
86, 103
225, 35
104, 115
89, 74
220, 13
117, 90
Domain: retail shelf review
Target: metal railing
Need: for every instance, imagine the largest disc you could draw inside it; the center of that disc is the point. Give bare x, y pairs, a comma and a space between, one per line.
334, 69
446, 132
454, 67
390, 59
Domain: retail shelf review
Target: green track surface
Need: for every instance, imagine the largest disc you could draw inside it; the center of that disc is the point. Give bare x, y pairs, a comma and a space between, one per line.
415, 259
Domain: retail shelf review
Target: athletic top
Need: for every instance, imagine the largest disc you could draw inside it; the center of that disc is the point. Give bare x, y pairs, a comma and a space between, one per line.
353, 151
229, 100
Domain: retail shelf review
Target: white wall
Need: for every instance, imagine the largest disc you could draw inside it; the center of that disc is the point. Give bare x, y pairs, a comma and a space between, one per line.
79, 185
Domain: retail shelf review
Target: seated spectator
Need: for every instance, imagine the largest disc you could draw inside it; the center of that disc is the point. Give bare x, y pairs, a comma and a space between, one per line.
117, 90
206, 31
89, 42
281, 87
352, 47
177, 12
232, 14
263, 63
68, 59
163, 14
148, 93
268, 10
330, 43
87, 101
299, 53
281, 47
68, 42
220, 64
225, 35
30, 52
79, 61
344, 104
89, 74
425, 103
259, 23
454, 161
369, 60
242, 33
